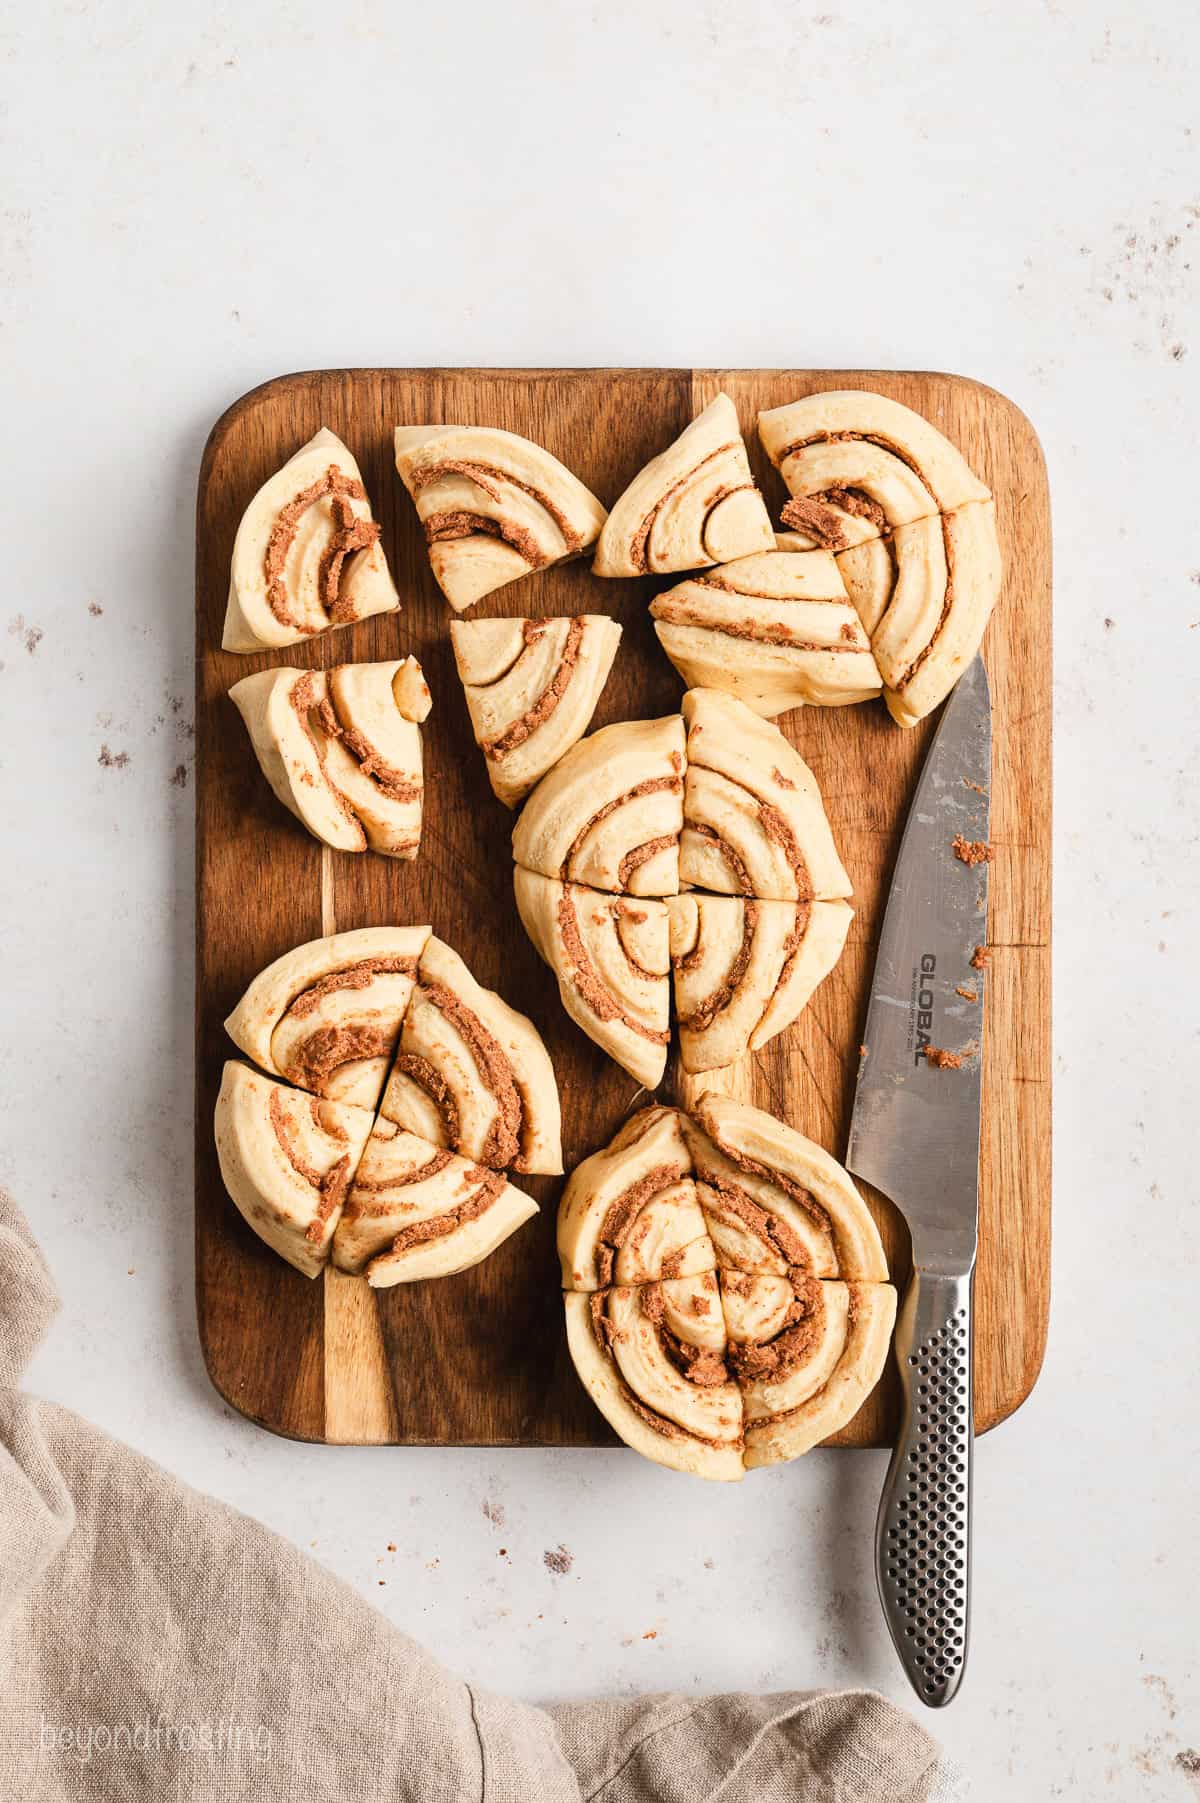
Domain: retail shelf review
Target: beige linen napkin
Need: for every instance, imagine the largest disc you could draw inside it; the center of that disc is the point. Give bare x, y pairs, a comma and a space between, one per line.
156, 1645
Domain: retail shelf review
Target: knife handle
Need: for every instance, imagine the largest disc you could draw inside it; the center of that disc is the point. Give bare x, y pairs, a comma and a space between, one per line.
923, 1534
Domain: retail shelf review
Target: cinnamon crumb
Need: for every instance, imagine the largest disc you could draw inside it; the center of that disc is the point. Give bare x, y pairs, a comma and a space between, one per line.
95, 609
391, 1546
943, 1060
559, 1560
971, 851
968, 995
980, 958
650, 1634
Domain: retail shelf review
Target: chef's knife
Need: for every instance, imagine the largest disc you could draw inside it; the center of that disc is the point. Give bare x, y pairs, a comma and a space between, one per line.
914, 1135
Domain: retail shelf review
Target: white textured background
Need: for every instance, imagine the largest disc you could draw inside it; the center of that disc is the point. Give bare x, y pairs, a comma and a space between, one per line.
1010, 191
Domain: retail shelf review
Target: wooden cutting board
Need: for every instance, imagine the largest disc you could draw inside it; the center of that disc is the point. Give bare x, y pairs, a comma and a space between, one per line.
481, 1359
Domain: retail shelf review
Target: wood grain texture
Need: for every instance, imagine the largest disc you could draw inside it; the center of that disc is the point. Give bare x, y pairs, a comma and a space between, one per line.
481, 1358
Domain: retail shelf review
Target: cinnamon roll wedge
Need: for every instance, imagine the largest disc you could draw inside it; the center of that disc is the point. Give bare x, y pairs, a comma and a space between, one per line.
777, 630
925, 594
494, 506
327, 1015
774, 1200
611, 957
342, 750
652, 1357
287, 1160
416, 1211
610, 812
754, 822
629, 1213
472, 1074
744, 969
694, 504
863, 465
307, 554
532, 687
805, 1354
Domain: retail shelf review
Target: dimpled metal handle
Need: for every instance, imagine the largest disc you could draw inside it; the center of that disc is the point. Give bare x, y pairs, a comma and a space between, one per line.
923, 1535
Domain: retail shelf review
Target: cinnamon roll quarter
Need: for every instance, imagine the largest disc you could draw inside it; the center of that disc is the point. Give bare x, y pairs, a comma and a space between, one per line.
342, 750
693, 505
531, 687
494, 506
307, 554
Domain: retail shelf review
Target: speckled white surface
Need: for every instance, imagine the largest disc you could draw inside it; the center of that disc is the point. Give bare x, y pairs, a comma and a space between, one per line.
1011, 192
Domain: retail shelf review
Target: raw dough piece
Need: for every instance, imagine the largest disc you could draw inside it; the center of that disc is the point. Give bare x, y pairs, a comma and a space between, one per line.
652, 1357
777, 630
307, 554
532, 687
612, 959
287, 1159
804, 1370
327, 1015
472, 1074
416, 1211
610, 812
754, 822
693, 505
805, 1208
629, 1213
925, 595
866, 464
342, 749
494, 506
744, 969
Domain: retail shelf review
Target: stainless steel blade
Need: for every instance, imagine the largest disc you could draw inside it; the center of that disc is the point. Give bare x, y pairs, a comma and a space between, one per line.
914, 1132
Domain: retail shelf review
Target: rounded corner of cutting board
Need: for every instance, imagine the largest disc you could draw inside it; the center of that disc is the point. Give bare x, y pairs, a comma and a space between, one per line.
226, 1390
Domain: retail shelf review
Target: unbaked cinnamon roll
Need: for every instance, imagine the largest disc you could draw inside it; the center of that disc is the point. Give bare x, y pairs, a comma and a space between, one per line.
609, 813
629, 1213
472, 1074
693, 505
417, 1211
611, 957
774, 1200
865, 463
327, 1015
532, 687
777, 630
652, 1357
744, 969
912, 527
805, 1354
754, 822
287, 1160
726, 1291
925, 593
307, 554
342, 750
494, 506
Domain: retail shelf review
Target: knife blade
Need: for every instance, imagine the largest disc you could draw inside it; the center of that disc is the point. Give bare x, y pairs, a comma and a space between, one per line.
914, 1135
